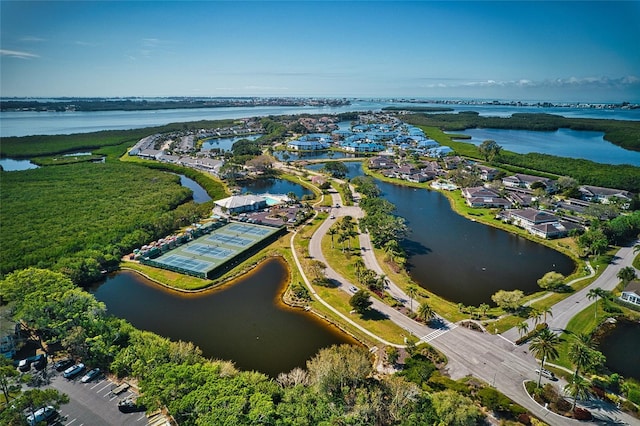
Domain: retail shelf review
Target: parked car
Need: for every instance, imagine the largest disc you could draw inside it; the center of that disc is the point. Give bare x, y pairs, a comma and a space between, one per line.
91, 375
39, 362
353, 289
130, 405
546, 373
73, 371
24, 365
63, 364
44, 414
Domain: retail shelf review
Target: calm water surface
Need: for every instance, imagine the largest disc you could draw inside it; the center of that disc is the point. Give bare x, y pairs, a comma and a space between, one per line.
274, 186
11, 165
583, 144
199, 194
619, 346
461, 260
55, 123
225, 144
244, 322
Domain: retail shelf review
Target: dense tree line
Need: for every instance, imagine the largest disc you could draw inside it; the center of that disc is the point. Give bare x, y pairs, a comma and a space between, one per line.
82, 218
337, 385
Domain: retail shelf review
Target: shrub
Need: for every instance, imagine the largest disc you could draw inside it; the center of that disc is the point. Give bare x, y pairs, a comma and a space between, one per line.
582, 414
563, 405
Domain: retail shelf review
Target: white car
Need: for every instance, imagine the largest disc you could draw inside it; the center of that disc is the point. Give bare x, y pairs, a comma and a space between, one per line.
43, 414
353, 289
546, 373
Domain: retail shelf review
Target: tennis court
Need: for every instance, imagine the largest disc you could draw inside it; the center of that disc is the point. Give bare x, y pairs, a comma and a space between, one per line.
185, 263
232, 240
217, 250
240, 228
206, 250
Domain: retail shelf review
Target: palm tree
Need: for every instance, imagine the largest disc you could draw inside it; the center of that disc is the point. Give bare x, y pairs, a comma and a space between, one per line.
544, 346
412, 290
595, 293
359, 265
583, 356
426, 312
577, 388
523, 327
536, 315
548, 311
332, 231
636, 249
626, 274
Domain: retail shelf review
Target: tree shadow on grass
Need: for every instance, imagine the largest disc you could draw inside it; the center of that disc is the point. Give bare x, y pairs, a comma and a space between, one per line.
374, 315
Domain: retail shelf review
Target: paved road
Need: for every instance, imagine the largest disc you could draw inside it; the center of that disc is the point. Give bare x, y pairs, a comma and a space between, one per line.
566, 309
491, 358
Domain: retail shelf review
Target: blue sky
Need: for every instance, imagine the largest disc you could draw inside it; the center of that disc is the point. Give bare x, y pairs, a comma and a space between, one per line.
558, 51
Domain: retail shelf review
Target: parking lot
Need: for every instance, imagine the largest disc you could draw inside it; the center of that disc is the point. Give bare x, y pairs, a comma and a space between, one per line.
92, 403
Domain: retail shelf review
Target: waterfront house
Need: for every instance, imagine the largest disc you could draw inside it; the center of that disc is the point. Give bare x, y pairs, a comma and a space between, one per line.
307, 145
604, 195
631, 293
487, 173
553, 229
526, 218
520, 180
381, 162
480, 196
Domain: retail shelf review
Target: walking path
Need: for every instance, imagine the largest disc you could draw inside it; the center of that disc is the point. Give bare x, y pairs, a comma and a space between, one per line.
491, 358
569, 307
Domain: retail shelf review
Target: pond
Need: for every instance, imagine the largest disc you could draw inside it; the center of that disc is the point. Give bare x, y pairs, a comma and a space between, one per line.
225, 144
273, 186
244, 322
461, 260
11, 165
618, 345
569, 143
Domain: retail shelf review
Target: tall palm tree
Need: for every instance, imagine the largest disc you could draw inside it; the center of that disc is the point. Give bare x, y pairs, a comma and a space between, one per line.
583, 356
577, 388
412, 290
547, 311
332, 231
426, 312
523, 327
359, 265
595, 293
544, 346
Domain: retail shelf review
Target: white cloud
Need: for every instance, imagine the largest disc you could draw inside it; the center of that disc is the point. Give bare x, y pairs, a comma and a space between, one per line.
17, 54
570, 82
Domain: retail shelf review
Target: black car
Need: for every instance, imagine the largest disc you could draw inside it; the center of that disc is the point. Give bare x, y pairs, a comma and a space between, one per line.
63, 364
39, 362
130, 405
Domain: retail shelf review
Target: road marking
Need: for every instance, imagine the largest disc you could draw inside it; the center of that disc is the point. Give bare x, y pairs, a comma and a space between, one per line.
96, 385
108, 385
71, 422
141, 417
439, 332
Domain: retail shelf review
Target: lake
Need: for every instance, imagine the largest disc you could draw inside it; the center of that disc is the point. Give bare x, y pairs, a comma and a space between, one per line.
245, 322
11, 165
461, 260
583, 144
